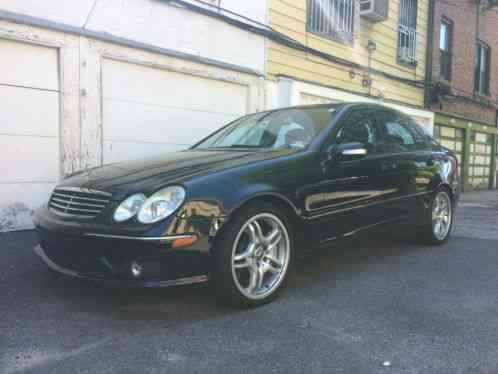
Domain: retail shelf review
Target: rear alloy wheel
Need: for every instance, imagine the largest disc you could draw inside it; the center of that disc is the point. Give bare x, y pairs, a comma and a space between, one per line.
253, 256
438, 229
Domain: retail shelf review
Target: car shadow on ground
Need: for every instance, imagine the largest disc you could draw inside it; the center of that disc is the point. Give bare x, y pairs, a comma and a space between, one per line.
342, 259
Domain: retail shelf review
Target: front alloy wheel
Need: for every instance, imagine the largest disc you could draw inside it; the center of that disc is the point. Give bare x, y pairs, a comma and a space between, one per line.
253, 255
260, 256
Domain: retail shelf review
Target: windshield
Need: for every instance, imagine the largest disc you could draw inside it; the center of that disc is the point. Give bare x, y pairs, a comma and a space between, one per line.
291, 128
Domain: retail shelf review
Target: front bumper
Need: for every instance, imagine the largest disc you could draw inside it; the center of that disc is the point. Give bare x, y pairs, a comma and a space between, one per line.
130, 283
110, 255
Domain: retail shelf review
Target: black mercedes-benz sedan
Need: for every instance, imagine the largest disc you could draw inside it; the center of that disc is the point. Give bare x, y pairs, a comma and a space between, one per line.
237, 207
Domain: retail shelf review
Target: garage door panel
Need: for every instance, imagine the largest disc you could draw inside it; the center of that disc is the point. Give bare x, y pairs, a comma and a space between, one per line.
116, 151
29, 130
29, 159
147, 111
480, 160
29, 112
21, 64
141, 84
159, 124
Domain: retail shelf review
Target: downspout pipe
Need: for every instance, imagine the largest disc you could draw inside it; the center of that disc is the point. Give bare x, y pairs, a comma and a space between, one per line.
478, 26
429, 58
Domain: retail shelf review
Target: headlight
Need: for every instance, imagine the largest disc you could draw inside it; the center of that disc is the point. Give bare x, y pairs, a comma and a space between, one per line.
162, 204
129, 207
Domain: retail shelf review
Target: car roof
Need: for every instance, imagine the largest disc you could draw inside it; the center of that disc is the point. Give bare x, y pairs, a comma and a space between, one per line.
348, 105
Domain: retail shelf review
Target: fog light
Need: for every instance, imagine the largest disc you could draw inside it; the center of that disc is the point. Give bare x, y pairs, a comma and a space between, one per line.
136, 269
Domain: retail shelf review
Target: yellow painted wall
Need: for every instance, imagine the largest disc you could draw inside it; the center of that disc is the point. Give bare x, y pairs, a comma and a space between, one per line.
289, 17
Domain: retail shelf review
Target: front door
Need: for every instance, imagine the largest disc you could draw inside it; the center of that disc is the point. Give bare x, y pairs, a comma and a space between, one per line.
338, 204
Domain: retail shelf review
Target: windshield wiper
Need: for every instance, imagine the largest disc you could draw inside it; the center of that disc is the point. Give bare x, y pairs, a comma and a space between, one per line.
236, 146
245, 146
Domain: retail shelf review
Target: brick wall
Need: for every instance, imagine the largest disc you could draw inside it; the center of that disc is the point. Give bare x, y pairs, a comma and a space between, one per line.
463, 13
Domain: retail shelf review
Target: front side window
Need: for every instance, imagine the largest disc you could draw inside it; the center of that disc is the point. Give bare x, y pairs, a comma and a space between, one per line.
332, 18
287, 128
407, 32
483, 63
359, 127
445, 48
396, 135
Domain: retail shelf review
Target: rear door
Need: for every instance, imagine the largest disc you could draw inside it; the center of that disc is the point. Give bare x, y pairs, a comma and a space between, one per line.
405, 163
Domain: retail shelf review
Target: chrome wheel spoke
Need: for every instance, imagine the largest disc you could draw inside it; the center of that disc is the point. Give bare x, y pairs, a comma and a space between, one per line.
256, 276
255, 232
272, 265
242, 263
442, 207
245, 254
437, 227
436, 205
241, 260
273, 239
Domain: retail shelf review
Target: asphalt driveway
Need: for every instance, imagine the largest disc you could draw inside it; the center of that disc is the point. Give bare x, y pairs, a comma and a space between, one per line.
348, 309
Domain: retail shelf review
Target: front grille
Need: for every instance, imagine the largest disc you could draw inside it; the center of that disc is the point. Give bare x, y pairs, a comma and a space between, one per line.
79, 202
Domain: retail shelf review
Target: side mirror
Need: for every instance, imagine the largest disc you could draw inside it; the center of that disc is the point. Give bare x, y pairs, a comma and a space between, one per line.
349, 152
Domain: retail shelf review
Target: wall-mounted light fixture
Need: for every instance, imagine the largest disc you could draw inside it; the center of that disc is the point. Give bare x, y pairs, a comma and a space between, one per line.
371, 48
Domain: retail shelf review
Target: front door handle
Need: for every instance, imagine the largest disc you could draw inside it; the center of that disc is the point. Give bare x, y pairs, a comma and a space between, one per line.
387, 166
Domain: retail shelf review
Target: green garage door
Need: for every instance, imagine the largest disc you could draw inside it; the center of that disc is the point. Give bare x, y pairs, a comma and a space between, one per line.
451, 138
481, 147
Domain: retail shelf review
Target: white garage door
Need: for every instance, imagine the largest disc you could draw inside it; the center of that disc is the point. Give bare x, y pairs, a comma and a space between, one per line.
148, 111
308, 99
29, 130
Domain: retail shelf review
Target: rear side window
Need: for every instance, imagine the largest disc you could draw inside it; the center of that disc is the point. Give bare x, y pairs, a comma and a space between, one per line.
398, 133
421, 137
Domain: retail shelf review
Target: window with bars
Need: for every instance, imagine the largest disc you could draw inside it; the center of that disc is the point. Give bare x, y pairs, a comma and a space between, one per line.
445, 48
332, 18
407, 32
483, 63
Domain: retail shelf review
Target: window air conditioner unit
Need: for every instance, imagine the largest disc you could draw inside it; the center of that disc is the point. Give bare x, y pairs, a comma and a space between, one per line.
374, 10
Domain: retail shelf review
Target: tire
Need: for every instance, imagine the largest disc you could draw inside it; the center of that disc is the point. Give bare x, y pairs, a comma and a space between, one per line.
439, 218
252, 256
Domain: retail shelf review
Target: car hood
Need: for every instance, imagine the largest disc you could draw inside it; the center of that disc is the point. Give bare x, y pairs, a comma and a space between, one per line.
147, 175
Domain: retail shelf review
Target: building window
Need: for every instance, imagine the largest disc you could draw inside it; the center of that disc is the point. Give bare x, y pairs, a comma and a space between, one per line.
407, 32
445, 48
483, 63
332, 18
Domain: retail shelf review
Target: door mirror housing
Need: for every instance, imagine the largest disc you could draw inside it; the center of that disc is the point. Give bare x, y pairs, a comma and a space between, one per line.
348, 152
